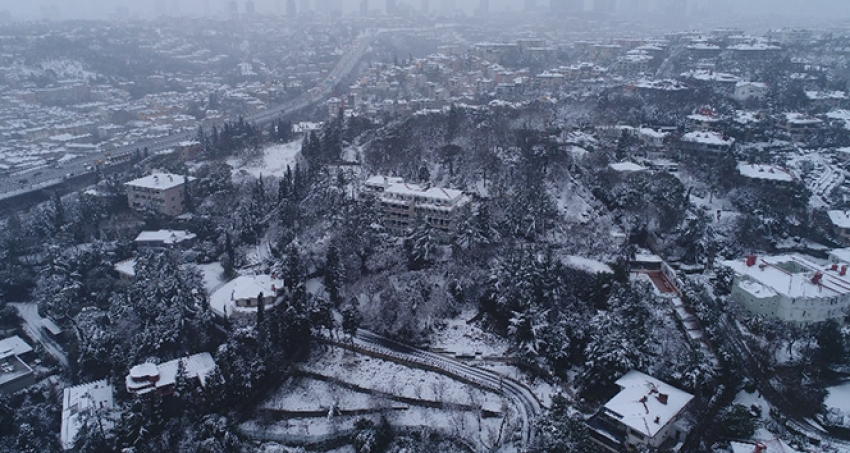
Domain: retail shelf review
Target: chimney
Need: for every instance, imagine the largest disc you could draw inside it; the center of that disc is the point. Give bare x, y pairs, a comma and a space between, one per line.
751, 260
816, 279
834, 267
662, 398
657, 420
760, 448
843, 270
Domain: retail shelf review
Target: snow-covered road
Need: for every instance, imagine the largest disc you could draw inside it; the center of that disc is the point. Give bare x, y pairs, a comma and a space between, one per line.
523, 399
34, 326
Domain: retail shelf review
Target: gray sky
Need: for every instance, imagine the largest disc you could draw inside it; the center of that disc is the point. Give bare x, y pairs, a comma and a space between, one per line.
101, 9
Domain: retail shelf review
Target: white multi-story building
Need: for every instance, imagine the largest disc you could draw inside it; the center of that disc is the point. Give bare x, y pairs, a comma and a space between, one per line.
750, 90
402, 203
791, 288
77, 401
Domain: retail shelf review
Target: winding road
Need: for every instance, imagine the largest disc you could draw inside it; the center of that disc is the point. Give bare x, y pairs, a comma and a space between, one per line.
524, 400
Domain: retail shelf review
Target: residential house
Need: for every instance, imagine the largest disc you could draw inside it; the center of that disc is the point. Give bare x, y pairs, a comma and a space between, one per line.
148, 379
646, 411
706, 141
164, 239
750, 91
160, 192
15, 373
840, 225
791, 288
241, 295
799, 125
77, 401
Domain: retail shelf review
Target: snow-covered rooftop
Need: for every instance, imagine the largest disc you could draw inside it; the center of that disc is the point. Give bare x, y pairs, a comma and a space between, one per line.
433, 193
78, 399
626, 167
839, 218
708, 138
768, 172
800, 118
646, 404
223, 301
146, 377
159, 181
705, 75
167, 237
791, 276
126, 267
13, 346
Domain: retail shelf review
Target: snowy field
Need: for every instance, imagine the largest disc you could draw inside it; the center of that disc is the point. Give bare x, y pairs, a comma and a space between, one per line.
212, 276
353, 382
839, 397
396, 379
274, 161
460, 338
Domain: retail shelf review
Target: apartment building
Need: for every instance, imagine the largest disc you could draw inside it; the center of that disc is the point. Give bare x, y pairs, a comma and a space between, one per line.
160, 192
402, 203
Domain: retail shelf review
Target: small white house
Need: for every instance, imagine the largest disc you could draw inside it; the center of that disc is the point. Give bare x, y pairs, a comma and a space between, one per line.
645, 412
750, 90
240, 295
149, 379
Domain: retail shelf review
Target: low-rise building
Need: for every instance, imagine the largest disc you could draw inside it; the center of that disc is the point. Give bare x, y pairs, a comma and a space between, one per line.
646, 411
148, 379
160, 192
840, 225
401, 204
164, 239
750, 90
799, 125
77, 401
241, 295
791, 288
15, 373
706, 141
766, 174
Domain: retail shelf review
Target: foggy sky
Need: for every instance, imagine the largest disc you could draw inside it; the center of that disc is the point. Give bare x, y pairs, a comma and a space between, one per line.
102, 9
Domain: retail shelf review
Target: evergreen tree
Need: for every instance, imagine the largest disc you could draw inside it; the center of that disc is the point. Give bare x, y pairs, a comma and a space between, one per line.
333, 275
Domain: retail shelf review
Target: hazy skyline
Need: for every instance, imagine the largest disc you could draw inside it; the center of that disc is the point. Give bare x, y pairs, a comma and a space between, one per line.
834, 10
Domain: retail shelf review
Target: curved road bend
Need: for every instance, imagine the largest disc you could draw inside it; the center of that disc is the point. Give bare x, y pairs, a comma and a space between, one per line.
527, 405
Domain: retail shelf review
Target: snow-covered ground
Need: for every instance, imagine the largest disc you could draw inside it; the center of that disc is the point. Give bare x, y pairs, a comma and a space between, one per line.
354, 382
212, 276
395, 379
460, 338
274, 161
839, 397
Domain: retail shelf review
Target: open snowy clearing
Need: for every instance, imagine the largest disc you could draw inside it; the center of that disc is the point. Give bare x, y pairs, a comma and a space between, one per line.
839, 397
361, 386
274, 161
395, 379
212, 276
460, 339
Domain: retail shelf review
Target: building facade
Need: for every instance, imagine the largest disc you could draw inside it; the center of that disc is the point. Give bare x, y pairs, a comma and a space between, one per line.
791, 288
402, 204
163, 193
646, 411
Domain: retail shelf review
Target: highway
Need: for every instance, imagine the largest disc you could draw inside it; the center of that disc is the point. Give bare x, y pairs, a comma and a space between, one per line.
45, 177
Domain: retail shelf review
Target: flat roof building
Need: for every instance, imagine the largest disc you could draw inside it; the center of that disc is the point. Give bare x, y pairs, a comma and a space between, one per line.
159, 192
76, 401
